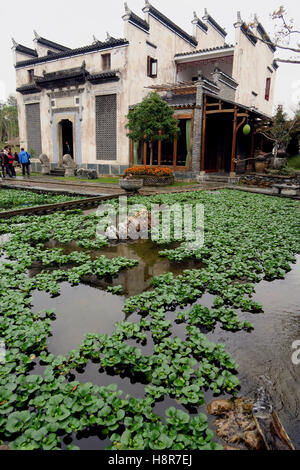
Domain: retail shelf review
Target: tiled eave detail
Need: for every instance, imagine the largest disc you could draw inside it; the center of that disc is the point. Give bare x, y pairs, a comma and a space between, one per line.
68, 78
201, 25
215, 25
229, 48
28, 89
26, 50
265, 37
138, 22
247, 32
97, 78
229, 77
275, 65
60, 79
99, 46
170, 25
54, 45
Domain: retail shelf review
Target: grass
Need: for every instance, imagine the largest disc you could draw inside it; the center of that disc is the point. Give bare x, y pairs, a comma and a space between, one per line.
294, 162
109, 180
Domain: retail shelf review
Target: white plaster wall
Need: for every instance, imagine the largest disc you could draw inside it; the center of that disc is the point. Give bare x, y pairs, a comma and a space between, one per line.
250, 71
212, 38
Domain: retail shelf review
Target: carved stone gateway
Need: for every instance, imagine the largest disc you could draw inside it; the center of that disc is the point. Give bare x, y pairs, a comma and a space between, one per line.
45, 162
69, 165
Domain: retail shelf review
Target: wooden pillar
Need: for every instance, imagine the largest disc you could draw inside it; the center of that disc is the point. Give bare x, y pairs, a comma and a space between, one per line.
233, 153
204, 117
250, 168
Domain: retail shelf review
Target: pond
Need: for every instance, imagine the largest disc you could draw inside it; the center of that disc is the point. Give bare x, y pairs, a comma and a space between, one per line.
175, 335
264, 355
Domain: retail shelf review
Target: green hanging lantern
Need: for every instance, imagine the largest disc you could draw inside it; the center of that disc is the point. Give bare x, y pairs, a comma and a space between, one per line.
246, 129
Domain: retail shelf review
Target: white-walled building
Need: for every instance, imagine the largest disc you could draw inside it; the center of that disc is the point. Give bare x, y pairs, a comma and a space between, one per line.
80, 97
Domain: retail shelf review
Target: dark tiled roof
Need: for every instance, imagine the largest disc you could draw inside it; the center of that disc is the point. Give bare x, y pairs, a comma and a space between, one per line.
176, 29
28, 89
181, 100
26, 50
228, 76
211, 49
109, 76
137, 21
72, 52
61, 74
202, 25
61, 78
216, 25
54, 45
249, 35
261, 30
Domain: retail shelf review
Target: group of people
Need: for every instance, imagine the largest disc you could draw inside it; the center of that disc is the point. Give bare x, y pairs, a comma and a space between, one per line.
9, 160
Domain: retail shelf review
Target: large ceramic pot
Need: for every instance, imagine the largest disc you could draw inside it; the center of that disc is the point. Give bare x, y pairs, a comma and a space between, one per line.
131, 185
260, 167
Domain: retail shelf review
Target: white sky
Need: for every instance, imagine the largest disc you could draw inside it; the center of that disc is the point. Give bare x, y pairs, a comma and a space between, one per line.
73, 23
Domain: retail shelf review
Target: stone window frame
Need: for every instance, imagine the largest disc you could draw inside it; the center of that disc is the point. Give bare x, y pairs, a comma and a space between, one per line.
268, 88
106, 61
152, 67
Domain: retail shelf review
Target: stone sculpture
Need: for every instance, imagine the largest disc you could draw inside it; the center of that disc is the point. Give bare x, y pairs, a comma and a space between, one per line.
69, 165
45, 162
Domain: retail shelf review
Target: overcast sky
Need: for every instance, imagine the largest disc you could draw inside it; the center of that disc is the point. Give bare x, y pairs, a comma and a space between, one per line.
73, 23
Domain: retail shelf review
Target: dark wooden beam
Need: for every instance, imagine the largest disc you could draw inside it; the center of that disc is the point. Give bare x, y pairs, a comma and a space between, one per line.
220, 111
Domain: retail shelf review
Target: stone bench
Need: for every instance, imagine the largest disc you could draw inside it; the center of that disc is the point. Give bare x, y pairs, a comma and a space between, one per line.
286, 190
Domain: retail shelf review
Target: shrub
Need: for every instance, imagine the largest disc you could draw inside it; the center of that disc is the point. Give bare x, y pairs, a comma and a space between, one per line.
148, 171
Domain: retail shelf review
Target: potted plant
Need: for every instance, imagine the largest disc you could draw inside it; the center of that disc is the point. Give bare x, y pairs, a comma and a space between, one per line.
131, 184
151, 176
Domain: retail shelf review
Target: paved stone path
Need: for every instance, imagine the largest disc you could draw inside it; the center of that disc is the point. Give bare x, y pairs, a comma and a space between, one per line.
95, 189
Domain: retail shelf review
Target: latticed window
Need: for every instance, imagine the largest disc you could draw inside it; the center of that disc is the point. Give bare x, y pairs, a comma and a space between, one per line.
33, 127
106, 127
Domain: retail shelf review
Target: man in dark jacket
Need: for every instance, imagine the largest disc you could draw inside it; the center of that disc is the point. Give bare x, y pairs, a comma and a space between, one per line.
24, 159
2, 163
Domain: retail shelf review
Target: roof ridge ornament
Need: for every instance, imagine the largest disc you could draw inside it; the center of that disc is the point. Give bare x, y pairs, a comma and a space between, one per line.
15, 44
127, 9
96, 40
108, 36
36, 35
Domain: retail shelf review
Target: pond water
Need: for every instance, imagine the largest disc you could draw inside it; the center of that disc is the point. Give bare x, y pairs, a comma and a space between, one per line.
264, 355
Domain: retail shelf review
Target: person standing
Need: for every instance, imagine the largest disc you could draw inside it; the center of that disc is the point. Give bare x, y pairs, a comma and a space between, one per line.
24, 159
11, 161
6, 162
2, 163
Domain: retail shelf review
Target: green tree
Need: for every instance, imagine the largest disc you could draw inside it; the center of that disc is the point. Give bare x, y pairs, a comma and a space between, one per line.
280, 129
9, 119
152, 120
